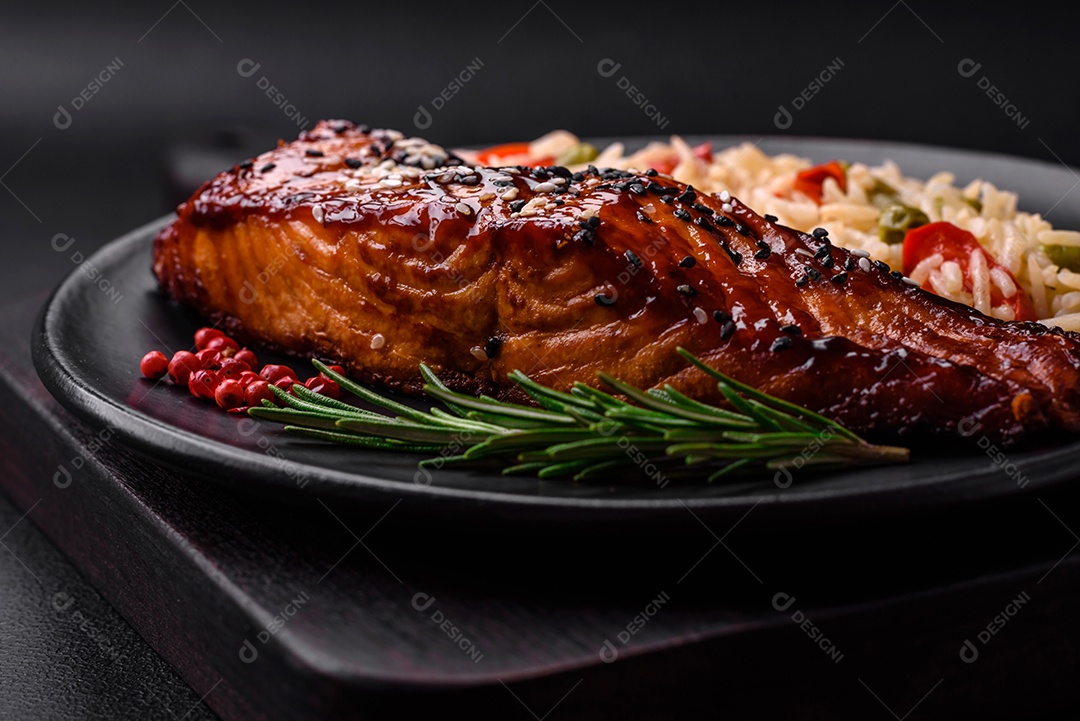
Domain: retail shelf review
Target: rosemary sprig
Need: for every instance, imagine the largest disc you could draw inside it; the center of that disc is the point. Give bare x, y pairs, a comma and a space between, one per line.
586, 433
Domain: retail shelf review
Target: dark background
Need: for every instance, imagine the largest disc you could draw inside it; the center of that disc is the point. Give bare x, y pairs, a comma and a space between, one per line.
178, 97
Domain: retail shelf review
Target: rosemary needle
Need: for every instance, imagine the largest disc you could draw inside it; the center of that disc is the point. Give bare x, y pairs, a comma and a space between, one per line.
586, 433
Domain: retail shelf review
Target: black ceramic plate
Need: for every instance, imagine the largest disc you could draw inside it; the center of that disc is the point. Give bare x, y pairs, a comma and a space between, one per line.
99, 323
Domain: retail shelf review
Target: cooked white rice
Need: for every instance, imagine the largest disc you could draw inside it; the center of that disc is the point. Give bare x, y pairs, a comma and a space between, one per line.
765, 183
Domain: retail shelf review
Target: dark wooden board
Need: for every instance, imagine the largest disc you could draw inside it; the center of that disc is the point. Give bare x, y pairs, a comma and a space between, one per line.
199, 571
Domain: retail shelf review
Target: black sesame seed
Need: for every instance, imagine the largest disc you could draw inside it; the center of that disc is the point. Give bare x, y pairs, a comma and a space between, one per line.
763, 254
686, 290
585, 236
246, 164
827, 261
791, 329
577, 177
839, 278
681, 214
721, 316
340, 128
736, 257
667, 199
688, 195
688, 262
882, 266
802, 280
602, 299
771, 218
540, 174
820, 232
559, 202
849, 264
353, 162
561, 170
781, 343
267, 168
593, 221
633, 259
813, 273
727, 330
313, 153
703, 223
492, 346
471, 180
822, 252
643, 218
702, 208
741, 229
723, 221
651, 172
364, 128
637, 188
897, 274
516, 206
657, 188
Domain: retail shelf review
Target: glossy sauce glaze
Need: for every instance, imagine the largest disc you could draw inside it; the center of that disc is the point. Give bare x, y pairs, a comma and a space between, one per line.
382, 251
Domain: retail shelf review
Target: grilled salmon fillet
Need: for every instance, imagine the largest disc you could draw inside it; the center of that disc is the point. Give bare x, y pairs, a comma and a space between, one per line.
381, 251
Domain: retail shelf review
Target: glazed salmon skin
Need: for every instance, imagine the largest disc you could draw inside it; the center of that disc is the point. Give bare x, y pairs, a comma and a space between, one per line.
380, 251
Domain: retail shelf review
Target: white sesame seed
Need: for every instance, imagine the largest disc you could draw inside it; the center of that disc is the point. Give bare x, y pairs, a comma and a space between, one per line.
510, 194
352, 184
559, 181
864, 264
587, 213
726, 207
378, 341
486, 196
478, 353
544, 188
724, 196
464, 208
909, 281
317, 213
804, 251
860, 253
390, 183
699, 314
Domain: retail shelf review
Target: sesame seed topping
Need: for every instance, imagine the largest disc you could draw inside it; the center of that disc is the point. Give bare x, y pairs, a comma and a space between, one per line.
651, 172
478, 353
657, 188
644, 218
813, 273
246, 164
464, 208
701, 316
267, 168
688, 262
822, 252
681, 214
637, 189
802, 280
544, 188
688, 195
781, 343
702, 208
723, 221
770, 218
727, 207
849, 264
378, 341
593, 221
703, 222
492, 347
632, 258
864, 264
763, 254
585, 236
910, 281
897, 274
882, 266
820, 232
791, 329
605, 300
686, 290
860, 253
827, 261
318, 214
352, 184
741, 229
353, 163
727, 329
735, 256
724, 196
721, 316
516, 206
839, 278
313, 153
